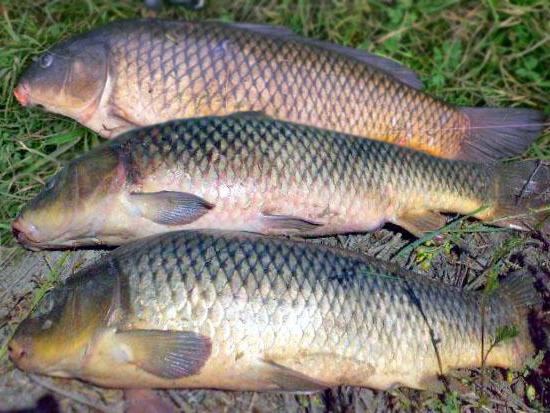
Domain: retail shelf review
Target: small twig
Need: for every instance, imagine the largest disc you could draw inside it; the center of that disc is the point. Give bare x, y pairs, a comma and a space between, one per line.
483, 358
528, 50
48, 264
433, 338
180, 402
38, 153
252, 402
528, 181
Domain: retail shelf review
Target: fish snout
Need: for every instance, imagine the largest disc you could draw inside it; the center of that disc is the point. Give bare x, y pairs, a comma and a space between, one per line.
18, 353
22, 93
23, 233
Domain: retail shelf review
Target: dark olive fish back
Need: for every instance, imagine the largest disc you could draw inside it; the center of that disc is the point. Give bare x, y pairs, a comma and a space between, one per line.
279, 156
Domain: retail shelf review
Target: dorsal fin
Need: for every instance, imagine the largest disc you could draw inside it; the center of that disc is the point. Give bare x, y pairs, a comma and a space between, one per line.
249, 114
389, 66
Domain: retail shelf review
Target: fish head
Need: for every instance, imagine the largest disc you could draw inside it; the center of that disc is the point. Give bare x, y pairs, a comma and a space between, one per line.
73, 205
68, 79
58, 336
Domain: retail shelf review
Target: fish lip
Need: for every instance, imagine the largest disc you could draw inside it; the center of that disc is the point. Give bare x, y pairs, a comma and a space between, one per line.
21, 232
21, 235
23, 94
20, 356
26, 235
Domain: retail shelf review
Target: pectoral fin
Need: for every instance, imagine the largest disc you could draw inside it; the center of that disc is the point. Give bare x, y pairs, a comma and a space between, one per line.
166, 354
420, 222
288, 223
169, 207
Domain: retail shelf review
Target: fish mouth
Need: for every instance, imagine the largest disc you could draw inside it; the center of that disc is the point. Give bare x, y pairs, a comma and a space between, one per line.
16, 352
25, 234
23, 94
19, 354
21, 232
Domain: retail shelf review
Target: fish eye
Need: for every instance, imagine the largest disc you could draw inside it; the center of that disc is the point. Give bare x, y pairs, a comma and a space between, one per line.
49, 184
46, 60
46, 324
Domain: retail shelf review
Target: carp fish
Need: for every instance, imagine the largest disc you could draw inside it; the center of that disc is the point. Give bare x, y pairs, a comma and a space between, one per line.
244, 312
142, 72
251, 173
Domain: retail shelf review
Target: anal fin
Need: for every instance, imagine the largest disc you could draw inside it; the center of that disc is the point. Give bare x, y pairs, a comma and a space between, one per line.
281, 378
287, 224
420, 222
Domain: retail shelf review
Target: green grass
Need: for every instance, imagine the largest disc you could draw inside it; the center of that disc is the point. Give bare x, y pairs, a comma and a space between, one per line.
493, 53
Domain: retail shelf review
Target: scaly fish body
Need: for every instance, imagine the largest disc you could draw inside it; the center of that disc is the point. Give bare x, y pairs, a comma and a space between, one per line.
210, 69
253, 173
143, 72
252, 168
238, 311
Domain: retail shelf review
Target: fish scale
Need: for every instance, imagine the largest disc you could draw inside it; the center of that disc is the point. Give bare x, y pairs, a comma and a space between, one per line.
334, 303
209, 69
278, 155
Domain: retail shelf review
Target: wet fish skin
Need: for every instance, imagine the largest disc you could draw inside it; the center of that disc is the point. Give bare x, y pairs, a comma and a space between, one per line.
248, 172
146, 72
271, 314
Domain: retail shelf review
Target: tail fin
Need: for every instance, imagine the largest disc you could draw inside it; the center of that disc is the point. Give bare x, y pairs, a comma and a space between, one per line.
521, 292
498, 133
539, 328
518, 296
523, 196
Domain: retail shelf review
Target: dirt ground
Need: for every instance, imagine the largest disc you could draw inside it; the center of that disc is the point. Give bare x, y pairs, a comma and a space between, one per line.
467, 265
